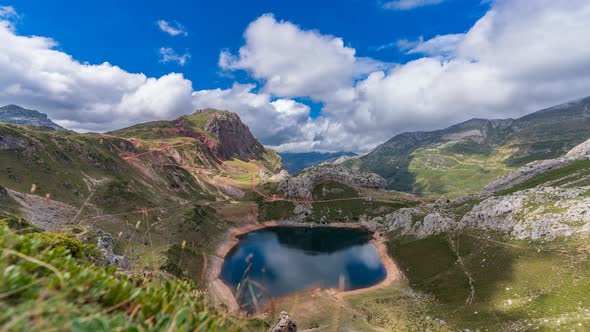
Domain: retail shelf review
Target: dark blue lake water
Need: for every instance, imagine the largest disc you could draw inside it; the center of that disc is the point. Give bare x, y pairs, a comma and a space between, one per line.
279, 261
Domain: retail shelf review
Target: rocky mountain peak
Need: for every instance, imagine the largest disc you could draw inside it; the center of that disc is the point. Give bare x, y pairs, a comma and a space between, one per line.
231, 137
18, 115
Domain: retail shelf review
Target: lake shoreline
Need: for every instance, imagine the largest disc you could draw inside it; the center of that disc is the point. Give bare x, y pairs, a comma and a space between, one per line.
222, 294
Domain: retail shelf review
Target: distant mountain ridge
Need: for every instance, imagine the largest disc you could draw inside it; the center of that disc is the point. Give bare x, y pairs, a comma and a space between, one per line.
18, 115
295, 162
462, 158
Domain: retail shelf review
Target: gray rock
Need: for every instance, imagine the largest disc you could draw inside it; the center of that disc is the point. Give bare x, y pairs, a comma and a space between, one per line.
302, 185
524, 173
414, 222
581, 151
284, 324
17, 115
538, 213
545, 212
105, 245
301, 211
10, 142
280, 176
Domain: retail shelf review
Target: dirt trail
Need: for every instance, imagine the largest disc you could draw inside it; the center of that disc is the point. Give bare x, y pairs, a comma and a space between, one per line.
164, 147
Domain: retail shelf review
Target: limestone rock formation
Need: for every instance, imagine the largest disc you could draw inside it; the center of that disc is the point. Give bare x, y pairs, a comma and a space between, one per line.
302, 185
414, 222
280, 176
580, 152
538, 213
285, 324
523, 174
105, 245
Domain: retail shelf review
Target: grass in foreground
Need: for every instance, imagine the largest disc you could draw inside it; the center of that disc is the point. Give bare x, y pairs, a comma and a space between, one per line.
50, 282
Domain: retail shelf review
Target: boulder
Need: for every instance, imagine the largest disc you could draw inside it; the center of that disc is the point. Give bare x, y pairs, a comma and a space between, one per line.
105, 245
284, 324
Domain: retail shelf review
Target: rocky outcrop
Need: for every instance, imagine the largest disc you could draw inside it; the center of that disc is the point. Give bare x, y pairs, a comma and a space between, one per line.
105, 245
415, 222
17, 115
301, 211
542, 213
234, 137
523, 174
285, 324
44, 213
580, 152
12, 142
538, 213
301, 186
280, 176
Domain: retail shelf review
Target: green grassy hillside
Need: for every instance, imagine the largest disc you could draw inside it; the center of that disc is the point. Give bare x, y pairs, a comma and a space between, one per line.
483, 282
158, 190
463, 158
149, 190
55, 282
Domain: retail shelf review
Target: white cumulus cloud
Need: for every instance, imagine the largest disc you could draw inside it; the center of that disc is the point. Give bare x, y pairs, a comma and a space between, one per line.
167, 54
293, 62
519, 57
172, 28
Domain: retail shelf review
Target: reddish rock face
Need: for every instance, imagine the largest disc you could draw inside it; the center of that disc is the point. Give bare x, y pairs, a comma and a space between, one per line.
183, 131
234, 137
229, 137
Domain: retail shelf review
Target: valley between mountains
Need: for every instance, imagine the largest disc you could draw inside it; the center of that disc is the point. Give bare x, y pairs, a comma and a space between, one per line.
484, 225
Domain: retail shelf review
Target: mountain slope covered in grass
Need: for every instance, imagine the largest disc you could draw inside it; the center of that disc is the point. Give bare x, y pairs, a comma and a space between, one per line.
142, 185
149, 200
514, 258
463, 158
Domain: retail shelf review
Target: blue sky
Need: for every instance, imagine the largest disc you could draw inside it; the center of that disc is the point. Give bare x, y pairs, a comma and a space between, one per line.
304, 75
124, 33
